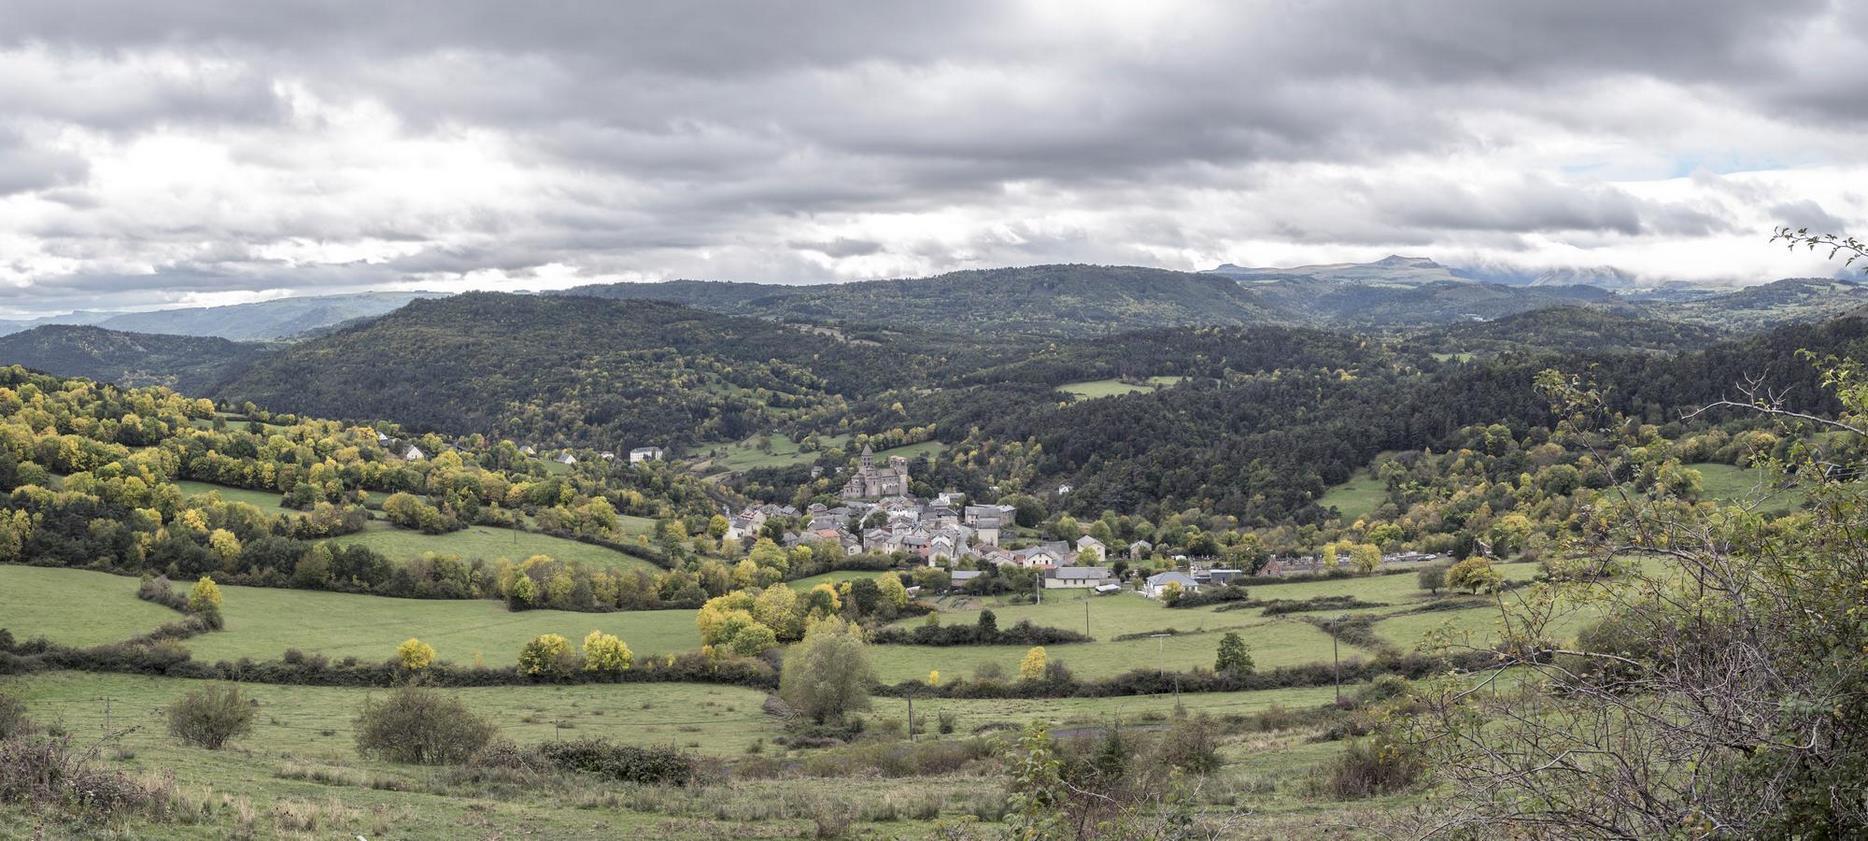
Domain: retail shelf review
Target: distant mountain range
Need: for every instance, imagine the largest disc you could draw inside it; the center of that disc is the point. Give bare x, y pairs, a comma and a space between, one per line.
260, 321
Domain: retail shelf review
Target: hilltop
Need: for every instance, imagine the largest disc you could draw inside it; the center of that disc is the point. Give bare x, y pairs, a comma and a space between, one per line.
192, 364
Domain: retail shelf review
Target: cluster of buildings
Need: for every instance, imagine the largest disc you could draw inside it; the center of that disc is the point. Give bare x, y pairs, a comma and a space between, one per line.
877, 513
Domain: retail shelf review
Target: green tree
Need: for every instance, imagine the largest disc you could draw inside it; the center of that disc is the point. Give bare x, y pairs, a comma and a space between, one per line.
1475, 573
548, 656
415, 655
606, 654
1032, 667
1432, 577
1233, 659
828, 674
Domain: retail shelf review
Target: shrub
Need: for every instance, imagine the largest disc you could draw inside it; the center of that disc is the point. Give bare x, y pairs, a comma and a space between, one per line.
13, 720
983, 633
622, 763
420, 727
1032, 667
549, 656
1192, 745
415, 655
828, 674
160, 591
50, 772
1209, 596
607, 654
1364, 769
1432, 577
204, 600
212, 716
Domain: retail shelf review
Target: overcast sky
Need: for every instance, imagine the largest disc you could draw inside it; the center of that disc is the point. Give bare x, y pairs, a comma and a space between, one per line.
157, 153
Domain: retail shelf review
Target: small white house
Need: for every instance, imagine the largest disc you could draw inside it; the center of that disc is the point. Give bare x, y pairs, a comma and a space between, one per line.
642, 454
566, 458
606, 455
1076, 578
413, 453
1090, 549
528, 450
1157, 584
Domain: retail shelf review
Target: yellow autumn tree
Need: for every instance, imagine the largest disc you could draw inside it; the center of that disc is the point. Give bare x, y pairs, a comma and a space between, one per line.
1032, 667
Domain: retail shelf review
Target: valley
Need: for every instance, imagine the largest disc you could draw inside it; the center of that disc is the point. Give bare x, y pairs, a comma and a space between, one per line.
1161, 513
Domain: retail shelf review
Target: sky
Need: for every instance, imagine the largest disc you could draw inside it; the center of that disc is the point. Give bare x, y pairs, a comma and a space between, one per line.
189, 152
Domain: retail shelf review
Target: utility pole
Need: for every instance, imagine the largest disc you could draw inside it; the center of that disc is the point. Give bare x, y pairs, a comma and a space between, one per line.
1086, 616
1336, 657
911, 715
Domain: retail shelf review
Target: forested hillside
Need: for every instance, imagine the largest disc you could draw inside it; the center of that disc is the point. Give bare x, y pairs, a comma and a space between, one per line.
606, 374
192, 364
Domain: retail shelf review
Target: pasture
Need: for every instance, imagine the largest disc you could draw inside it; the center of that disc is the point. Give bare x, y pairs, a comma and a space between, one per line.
487, 543
763, 451
1735, 485
75, 607
1091, 389
1356, 498
266, 501
263, 622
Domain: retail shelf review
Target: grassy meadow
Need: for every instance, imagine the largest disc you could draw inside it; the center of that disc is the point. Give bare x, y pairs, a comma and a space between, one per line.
74, 606
488, 543
1355, 498
266, 501
1091, 389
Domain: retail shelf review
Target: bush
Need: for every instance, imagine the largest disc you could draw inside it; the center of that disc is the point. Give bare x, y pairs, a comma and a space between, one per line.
1209, 596
13, 720
828, 674
211, 717
622, 763
50, 772
1365, 769
606, 654
1192, 745
548, 656
420, 727
415, 655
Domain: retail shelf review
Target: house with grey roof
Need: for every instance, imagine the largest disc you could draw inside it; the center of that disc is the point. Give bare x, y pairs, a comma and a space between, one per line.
1083, 578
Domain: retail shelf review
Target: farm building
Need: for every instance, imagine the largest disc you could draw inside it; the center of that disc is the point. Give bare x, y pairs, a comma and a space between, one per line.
642, 454
1075, 577
1158, 583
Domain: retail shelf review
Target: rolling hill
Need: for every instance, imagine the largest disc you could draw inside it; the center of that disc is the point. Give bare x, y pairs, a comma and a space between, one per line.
556, 369
189, 364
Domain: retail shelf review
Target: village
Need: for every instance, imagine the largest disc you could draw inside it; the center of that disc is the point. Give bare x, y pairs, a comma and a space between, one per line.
878, 515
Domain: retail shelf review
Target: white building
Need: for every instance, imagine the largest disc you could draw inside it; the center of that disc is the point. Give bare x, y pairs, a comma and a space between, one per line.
1157, 584
642, 454
1082, 578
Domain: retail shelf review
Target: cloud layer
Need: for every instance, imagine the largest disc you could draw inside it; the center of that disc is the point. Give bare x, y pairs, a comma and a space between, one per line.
220, 151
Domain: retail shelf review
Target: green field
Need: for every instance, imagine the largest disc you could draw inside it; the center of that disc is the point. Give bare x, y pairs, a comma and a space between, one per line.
914, 451
832, 577
263, 622
1357, 497
1745, 485
1113, 387
488, 543
75, 607
266, 501
779, 452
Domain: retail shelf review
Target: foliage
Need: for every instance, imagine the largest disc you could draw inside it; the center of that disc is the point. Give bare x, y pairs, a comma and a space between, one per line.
1474, 574
204, 600
1233, 657
828, 674
420, 726
621, 763
415, 655
1032, 667
548, 656
211, 716
606, 653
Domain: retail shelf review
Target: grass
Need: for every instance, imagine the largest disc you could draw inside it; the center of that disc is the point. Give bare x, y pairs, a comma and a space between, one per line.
832, 577
1730, 484
75, 607
1357, 497
263, 622
266, 501
489, 543
779, 452
1273, 641
1090, 389
912, 451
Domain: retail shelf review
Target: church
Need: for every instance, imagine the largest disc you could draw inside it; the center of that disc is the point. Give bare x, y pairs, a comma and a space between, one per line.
871, 481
